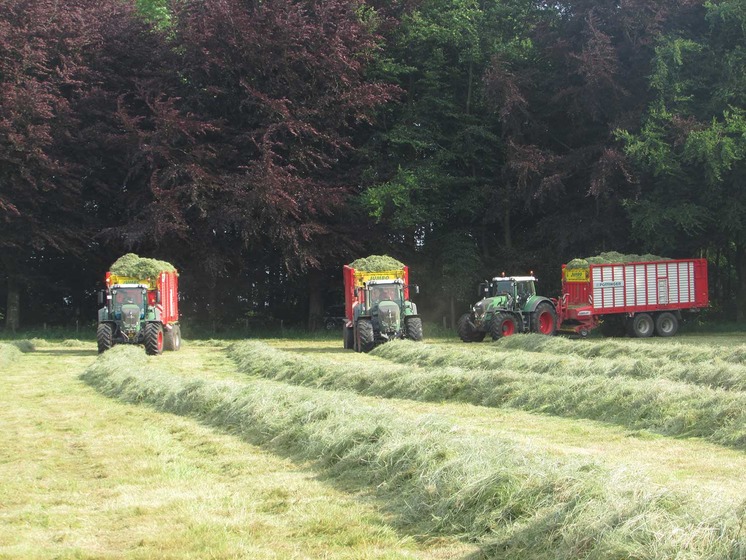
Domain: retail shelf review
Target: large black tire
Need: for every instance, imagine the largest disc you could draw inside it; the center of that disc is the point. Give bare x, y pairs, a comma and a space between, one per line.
348, 333
503, 324
413, 328
642, 325
544, 319
466, 331
153, 339
104, 337
666, 324
365, 336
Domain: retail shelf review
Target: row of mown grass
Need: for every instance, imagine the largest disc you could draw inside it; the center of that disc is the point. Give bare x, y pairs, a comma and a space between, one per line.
513, 500
89, 478
556, 355
659, 405
9, 353
669, 352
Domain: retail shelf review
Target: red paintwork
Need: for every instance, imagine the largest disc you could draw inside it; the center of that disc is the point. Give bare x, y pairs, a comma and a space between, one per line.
348, 275
168, 284
508, 327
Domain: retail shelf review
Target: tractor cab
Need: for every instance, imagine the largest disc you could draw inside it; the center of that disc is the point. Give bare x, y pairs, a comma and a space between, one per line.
519, 288
129, 305
510, 292
385, 303
128, 298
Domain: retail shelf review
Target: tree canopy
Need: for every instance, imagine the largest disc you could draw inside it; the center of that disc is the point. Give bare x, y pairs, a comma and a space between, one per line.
259, 146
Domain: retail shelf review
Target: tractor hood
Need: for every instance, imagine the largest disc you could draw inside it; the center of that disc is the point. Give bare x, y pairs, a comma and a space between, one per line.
496, 302
389, 314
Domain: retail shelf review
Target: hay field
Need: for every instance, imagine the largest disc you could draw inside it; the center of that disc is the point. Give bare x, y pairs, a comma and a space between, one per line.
527, 448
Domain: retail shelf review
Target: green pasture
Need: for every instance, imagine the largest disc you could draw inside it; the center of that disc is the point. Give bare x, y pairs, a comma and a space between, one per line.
292, 447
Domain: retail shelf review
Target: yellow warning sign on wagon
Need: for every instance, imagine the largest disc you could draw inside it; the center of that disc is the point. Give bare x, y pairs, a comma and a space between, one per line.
577, 274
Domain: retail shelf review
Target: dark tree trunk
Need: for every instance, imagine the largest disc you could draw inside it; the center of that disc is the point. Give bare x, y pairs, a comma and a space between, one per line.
13, 301
507, 238
315, 299
13, 315
740, 282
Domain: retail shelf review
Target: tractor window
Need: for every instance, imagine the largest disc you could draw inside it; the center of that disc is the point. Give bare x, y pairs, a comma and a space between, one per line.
127, 296
502, 287
384, 292
525, 290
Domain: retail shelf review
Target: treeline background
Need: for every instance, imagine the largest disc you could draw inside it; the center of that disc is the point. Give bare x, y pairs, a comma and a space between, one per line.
260, 145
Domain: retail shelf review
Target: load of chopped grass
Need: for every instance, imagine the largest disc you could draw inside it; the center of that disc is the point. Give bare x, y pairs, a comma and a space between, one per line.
377, 263
140, 267
658, 405
612, 257
511, 499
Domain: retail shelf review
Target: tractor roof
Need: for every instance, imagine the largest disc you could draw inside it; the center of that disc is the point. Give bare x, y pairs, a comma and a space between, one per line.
514, 278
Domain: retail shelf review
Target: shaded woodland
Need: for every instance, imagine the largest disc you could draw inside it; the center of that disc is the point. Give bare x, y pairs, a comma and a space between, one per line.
259, 146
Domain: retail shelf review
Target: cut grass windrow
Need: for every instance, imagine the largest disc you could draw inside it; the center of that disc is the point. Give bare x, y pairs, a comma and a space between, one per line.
555, 355
659, 405
516, 502
668, 352
8, 353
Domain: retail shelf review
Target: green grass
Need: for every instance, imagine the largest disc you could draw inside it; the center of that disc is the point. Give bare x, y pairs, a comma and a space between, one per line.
9, 353
663, 406
664, 350
88, 477
515, 501
712, 367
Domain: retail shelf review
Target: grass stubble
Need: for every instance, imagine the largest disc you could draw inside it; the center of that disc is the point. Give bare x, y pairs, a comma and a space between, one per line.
514, 501
85, 476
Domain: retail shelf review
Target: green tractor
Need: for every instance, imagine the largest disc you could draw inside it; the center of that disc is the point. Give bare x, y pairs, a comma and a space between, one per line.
509, 305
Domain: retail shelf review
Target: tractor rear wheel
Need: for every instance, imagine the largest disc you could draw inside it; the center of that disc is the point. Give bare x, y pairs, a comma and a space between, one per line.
666, 324
466, 330
503, 324
413, 328
365, 336
642, 325
153, 339
544, 319
104, 337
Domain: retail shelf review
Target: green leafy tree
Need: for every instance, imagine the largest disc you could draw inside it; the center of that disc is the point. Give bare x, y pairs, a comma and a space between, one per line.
691, 148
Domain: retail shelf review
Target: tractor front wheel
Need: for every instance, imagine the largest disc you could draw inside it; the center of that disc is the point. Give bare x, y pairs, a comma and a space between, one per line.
413, 328
503, 324
466, 330
544, 319
365, 336
153, 339
104, 337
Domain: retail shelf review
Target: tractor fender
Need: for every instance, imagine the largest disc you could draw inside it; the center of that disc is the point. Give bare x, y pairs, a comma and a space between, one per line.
534, 302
